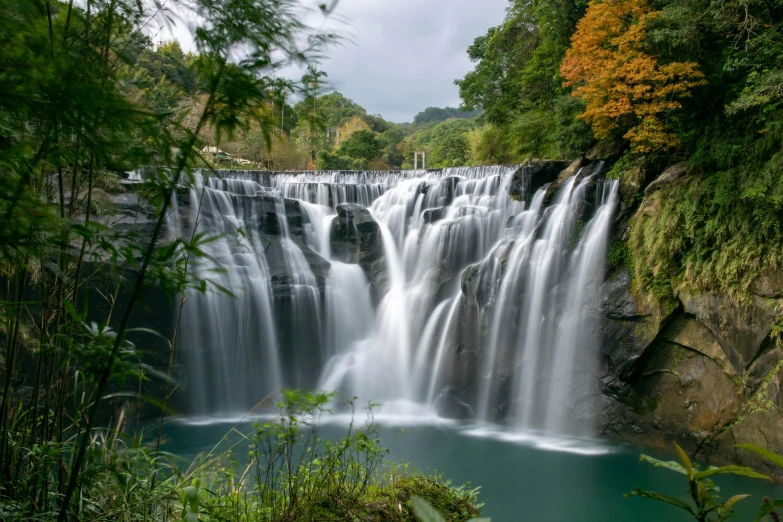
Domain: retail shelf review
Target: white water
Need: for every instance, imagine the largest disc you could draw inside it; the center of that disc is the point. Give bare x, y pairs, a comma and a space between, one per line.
484, 297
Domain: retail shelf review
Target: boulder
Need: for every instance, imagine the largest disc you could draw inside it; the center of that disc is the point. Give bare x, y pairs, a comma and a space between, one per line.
356, 239
529, 178
768, 284
605, 149
739, 326
669, 175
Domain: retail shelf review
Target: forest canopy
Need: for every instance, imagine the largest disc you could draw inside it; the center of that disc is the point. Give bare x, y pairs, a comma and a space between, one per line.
660, 82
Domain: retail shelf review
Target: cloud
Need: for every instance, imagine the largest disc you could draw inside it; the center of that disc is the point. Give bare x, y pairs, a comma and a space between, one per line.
400, 56
406, 54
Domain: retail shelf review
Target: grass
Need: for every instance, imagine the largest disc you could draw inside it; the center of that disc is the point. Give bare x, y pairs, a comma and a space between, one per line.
288, 473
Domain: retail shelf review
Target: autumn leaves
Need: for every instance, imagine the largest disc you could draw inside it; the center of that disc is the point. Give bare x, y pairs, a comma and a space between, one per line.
624, 87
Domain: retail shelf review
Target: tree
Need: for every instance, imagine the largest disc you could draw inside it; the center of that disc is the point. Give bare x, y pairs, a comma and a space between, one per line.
436, 114
336, 109
516, 82
624, 86
282, 88
312, 82
349, 127
362, 144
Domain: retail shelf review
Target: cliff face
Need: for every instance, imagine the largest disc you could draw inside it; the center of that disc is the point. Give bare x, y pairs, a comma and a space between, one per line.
700, 368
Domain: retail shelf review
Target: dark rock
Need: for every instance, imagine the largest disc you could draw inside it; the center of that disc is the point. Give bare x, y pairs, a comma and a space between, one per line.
616, 299
581, 169
355, 234
433, 215
606, 149
356, 238
529, 178
451, 406
740, 327
626, 331
670, 175
279, 273
768, 284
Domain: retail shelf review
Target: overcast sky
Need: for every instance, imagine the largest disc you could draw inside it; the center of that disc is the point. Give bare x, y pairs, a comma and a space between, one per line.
400, 56
406, 54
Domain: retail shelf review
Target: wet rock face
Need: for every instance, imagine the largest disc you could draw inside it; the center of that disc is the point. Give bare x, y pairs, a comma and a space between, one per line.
529, 178
616, 299
355, 235
626, 333
356, 238
451, 406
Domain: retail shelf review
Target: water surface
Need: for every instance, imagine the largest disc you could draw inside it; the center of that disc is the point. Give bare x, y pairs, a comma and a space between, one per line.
522, 477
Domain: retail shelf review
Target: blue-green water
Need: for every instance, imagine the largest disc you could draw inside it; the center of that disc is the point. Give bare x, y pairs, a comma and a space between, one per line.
524, 479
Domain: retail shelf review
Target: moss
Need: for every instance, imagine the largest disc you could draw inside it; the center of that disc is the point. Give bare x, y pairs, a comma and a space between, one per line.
759, 402
576, 234
620, 255
392, 501
713, 232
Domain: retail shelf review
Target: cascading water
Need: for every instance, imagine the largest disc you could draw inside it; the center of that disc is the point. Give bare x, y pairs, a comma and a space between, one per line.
480, 301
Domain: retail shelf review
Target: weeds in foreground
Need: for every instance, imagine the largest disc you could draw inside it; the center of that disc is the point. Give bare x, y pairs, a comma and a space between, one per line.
706, 504
290, 472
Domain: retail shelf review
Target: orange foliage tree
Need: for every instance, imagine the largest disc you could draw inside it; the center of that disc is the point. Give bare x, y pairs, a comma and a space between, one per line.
622, 84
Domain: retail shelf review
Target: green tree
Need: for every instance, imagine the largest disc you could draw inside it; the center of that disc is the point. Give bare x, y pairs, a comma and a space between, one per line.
516, 84
362, 144
435, 114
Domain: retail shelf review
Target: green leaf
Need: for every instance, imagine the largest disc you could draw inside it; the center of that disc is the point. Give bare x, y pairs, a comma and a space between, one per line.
424, 511
767, 508
480, 520
674, 466
190, 494
733, 500
730, 470
639, 492
685, 460
774, 457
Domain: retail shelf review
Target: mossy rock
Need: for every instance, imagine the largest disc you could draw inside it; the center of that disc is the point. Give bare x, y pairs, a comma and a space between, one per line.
392, 502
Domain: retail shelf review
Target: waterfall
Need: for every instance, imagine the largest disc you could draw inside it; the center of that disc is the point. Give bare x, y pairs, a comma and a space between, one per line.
449, 292
221, 332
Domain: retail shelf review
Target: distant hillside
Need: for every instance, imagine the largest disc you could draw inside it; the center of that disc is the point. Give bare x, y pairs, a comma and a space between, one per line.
436, 114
